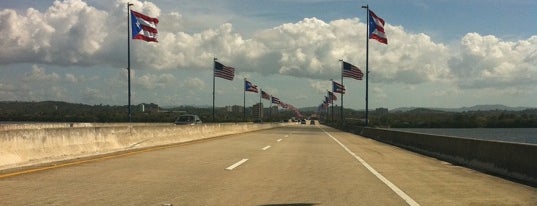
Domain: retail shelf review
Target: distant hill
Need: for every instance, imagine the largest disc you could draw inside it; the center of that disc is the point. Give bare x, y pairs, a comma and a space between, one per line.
308, 109
485, 107
493, 107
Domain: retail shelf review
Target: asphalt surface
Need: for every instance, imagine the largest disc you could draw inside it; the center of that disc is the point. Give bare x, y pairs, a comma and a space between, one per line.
298, 165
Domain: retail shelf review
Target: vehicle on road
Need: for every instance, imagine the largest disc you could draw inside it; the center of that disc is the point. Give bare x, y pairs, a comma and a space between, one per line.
188, 119
302, 121
312, 122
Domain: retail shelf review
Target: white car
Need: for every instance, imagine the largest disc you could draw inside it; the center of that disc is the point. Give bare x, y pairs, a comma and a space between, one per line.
188, 119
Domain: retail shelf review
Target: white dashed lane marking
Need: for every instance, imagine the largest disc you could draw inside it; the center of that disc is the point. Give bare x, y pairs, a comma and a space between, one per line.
233, 166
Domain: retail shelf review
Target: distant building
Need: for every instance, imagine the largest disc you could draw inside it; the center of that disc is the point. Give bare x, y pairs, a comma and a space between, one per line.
235, 109
273, 113
148, 107
257, 111
274, 109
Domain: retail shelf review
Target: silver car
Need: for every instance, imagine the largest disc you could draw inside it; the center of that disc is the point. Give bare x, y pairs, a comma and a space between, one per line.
188, 119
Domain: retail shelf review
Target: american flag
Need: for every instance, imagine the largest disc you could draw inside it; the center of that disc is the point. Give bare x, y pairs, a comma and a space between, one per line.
223, 71
249, 87
352, 71
265, 95
338, 88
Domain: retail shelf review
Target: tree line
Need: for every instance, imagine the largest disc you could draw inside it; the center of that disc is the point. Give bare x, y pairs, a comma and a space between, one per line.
424, 118
56, 111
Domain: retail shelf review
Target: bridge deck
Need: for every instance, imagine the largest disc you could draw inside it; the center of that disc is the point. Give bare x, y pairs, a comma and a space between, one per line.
294, 165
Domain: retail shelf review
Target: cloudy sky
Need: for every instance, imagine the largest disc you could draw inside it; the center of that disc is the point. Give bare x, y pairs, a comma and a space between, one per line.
440, 53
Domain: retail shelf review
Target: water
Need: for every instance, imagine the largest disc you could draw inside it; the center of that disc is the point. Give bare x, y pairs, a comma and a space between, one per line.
516, 135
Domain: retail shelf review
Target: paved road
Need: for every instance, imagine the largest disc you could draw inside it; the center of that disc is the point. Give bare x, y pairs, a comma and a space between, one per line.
295, 165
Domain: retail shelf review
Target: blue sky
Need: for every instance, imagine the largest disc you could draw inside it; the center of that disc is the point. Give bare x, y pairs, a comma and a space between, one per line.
440, 53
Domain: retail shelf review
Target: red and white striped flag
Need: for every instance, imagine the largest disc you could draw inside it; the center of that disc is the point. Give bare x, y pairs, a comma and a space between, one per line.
223, 71
265, 95
352, 71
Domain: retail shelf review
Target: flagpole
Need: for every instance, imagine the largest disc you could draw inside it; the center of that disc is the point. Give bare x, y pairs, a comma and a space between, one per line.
214, 66
367, 68
327, 110
341, 108
244, 101
332, 109
260, 107
129, 58
270, 108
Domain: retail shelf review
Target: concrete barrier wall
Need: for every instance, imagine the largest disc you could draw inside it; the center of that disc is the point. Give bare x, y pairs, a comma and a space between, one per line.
32, 144
511, 160
17, 126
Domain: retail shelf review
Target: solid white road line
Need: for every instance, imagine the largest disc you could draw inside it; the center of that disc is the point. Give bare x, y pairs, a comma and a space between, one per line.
266, 148
392, 186
279, 140
233, 166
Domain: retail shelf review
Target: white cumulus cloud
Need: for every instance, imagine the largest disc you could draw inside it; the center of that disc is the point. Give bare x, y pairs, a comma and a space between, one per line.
71, 78
75, 34
194, 83
487, 61
152, 81
39, 73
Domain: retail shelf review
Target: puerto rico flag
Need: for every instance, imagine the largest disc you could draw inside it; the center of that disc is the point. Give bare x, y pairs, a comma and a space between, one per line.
338, 88
376, 28
144, 27
276, 100
249, 87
